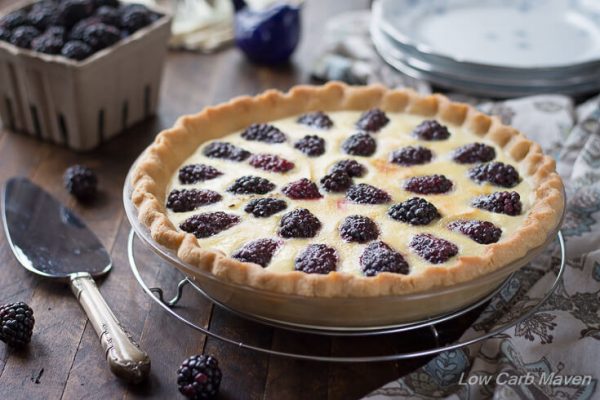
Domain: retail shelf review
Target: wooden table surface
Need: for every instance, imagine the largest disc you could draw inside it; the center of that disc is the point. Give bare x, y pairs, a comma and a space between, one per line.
65, 361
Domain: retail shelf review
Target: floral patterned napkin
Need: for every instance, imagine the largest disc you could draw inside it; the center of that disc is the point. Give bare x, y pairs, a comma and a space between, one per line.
556, 352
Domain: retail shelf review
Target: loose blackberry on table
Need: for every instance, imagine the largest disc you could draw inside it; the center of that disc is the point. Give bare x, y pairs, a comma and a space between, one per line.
483, 232
81, 182
414, 211
265, 133
258, 251
189, 199
199, 377
428, 184
302, 189
360, 144
265, 207
379, 257
317, 119
508, 203
358, 229
16, 324
316, 259
209, 224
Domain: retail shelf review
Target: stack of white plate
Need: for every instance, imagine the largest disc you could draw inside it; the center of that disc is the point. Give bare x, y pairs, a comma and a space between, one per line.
500, 48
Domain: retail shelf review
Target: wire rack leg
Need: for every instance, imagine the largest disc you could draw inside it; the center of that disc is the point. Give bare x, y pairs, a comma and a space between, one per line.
158, 292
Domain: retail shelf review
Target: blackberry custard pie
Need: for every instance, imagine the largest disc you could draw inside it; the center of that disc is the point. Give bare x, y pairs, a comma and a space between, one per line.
347, 192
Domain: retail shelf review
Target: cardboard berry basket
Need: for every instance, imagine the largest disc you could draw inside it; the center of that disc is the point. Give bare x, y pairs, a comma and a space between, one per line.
80, 104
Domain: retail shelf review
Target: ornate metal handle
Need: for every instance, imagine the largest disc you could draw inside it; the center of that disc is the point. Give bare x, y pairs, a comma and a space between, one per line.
125, 359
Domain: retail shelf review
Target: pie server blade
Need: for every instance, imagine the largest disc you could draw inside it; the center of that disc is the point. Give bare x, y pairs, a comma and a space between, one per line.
50, 240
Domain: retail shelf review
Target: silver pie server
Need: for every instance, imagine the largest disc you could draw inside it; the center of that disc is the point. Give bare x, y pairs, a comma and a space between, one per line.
49, 240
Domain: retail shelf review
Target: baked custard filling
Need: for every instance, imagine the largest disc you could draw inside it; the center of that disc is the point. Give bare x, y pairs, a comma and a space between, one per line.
350, 191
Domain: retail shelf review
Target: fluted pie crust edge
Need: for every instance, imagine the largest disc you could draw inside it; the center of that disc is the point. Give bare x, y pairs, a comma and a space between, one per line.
173, 146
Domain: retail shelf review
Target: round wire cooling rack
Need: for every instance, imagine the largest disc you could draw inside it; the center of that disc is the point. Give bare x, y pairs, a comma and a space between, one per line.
432, 326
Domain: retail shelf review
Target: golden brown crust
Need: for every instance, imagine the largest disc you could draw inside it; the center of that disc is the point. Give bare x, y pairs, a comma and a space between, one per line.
172, 146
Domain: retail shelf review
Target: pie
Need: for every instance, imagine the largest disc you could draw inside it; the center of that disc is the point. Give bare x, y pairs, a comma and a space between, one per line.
340, 191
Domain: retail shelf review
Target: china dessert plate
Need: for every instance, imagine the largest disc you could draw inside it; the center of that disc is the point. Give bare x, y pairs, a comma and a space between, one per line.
346, 206
503, 33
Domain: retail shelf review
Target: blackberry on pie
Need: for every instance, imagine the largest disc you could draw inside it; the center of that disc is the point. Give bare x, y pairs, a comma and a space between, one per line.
351, 201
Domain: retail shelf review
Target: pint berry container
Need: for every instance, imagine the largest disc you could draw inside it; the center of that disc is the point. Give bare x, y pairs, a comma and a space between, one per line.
80, 104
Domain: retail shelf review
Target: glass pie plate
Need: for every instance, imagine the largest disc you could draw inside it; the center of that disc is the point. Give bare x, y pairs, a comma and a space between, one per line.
333, 313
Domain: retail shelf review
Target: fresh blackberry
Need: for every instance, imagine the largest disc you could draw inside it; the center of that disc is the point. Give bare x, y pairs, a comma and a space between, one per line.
135, 19
302, 189
72, 11
5, 34
264, 133
226, 151
76, 50
199, 377
317, 119
193, 173
379, 257
428, 184
42, 15
14, 20
265, 207
311, 145
100, 36
431, 130
271, 162
336, 182
108, 15
56, 31
434, 249
299, 223
360, 144
209, 224
358, 229
508, 203
81, 182
251, 184
483, 232
189, 199
351, 167
16, 324
47, 44
366, 194
77, 31
106, 3
411, 156
415, 211
473, 153
316, 259
372, 120
258, 251
496, 173
23, 35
